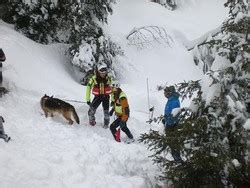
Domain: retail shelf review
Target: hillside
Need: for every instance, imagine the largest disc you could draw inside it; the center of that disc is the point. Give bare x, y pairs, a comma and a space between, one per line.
47, 152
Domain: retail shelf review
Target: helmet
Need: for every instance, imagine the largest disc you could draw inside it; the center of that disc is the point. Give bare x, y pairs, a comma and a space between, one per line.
169, 89
115, 84
102, 68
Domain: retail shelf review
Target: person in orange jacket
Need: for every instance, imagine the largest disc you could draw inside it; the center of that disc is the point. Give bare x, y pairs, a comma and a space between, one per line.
120, 106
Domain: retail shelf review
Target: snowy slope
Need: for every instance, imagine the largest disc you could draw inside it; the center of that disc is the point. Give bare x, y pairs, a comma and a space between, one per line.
49, 152
161, 64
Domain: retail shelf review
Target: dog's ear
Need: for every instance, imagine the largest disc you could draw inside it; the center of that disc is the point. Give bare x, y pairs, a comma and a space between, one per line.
52, 96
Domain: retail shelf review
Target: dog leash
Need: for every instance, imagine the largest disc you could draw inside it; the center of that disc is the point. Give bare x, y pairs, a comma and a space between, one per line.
74, 101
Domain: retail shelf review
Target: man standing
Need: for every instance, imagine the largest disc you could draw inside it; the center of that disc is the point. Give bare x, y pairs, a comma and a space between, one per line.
2, 133
169, 120
2, 59
100, 86
120, 106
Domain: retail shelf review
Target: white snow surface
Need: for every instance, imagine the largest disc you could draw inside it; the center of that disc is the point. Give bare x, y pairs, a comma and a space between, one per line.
247, 124
48, 152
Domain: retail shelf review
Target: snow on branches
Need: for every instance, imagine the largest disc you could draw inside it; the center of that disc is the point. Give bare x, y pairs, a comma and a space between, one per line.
148, 36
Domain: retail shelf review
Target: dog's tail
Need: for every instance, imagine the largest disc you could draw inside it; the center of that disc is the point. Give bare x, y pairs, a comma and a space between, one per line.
75, 115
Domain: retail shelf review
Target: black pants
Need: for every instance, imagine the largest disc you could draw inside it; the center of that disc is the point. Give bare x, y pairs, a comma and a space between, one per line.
124, 128
1, 75
169, 131
2, 133
104, 99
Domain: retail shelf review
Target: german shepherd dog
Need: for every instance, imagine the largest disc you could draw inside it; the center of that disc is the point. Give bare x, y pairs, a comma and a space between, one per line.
52, 105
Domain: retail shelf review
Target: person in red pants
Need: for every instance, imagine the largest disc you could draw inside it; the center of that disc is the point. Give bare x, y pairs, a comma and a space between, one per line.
120, 106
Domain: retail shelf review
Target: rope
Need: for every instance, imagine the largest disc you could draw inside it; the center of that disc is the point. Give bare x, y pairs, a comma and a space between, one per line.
74, 101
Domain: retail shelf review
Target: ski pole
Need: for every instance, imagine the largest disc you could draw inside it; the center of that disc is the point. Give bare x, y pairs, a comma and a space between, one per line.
148, 100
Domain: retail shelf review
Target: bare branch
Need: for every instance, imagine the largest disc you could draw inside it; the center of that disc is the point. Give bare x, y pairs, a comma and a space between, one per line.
148, 35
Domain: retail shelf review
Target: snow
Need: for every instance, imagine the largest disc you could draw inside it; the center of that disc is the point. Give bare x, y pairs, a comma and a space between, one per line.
236, 163
47, 152
176, 111
247, 124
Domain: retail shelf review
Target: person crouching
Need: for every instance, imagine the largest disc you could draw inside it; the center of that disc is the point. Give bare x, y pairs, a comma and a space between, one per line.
120, 106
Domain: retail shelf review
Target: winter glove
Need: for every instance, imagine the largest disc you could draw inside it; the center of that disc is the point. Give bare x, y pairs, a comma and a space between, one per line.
163, 121
111, 112
122, 124
184, 109
89, 103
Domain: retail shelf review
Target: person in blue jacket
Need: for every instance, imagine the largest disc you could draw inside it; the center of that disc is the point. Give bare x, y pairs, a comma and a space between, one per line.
169, 120
173, 102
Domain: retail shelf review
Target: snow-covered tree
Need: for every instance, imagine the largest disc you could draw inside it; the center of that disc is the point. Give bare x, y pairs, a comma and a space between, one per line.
211, 134
88, 44
169, 4
77, 23
36, 19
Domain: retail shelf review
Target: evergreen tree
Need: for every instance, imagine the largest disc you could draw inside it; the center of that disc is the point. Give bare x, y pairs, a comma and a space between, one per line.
211, 135
37, 20
169, 4
88, 43
77, 23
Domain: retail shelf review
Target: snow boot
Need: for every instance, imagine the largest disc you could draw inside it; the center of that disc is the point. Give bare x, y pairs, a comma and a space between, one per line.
105, 126
92, 123
7, 138
106, 123
129, 140
118, 135
3, 91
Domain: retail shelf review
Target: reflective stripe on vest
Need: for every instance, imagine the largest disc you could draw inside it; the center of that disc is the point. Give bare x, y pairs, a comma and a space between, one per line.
101, 86
108, 90
95, 91
100, 89
118, 107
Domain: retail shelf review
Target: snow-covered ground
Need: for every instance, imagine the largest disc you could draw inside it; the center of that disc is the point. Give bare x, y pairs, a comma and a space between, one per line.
47, 152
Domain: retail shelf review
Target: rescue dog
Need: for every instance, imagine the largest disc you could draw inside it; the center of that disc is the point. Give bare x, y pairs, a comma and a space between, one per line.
51, 105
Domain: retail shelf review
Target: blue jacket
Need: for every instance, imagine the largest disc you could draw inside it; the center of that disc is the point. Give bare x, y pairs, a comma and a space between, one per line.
173, 102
